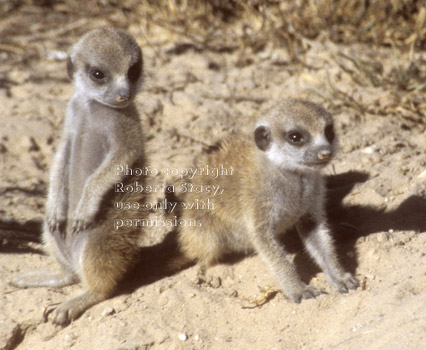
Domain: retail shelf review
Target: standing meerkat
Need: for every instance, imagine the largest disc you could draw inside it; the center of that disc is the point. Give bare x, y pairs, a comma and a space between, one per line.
102, 131
276, 184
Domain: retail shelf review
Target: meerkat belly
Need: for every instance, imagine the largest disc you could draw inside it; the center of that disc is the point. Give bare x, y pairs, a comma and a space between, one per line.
87, 154
292, 204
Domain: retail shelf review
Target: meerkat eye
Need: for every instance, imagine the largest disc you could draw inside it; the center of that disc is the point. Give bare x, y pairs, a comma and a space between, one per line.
134, 72
295, 138
329, 133
97, 75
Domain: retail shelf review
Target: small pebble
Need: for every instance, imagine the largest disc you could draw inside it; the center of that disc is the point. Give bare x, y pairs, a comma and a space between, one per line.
368, 150
3, 148
233, 293
381, 237
215, 282
108, 311
182, 336
69, 339
422, 176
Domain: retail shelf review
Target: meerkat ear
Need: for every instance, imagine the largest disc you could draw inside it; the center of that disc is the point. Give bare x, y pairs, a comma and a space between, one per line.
262, 137
70, 67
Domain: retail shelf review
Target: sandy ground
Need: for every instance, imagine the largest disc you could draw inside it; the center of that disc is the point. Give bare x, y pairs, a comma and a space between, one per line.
192, 97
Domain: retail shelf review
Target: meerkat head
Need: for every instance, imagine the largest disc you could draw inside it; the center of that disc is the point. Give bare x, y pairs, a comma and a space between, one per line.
106, 65
297, 135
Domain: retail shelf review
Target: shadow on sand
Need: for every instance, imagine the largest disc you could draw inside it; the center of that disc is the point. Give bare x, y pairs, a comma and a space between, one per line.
347, 223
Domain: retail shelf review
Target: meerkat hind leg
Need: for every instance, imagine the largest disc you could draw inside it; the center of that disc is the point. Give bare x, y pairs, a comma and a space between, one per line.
208, 258
103, 262
99, 285
203, 245
204, 277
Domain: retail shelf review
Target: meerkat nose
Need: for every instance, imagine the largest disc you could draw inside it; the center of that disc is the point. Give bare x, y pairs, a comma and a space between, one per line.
122, 96
118, 98
324, 154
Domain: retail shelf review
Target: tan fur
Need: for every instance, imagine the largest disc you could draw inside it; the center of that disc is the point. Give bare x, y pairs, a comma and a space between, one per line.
102, 131
276, 185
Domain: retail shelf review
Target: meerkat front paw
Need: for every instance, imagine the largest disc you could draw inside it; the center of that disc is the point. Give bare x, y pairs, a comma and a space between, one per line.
344, 283
56, 220
306, 292
79, 224
347, 282
56, 225
83, 217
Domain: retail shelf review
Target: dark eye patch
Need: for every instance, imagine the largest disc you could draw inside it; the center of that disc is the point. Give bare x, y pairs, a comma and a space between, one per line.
135, 71
329, 133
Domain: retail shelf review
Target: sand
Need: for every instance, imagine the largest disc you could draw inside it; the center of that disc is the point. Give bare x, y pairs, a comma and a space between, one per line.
192, 98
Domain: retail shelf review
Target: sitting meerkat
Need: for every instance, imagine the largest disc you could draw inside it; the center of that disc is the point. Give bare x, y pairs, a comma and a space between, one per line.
102, 131
276, 185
